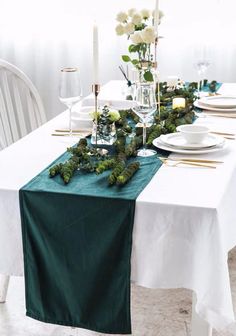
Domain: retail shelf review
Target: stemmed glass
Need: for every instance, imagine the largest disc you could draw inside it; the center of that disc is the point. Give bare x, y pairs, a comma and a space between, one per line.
70, 91
201, 66
145, 106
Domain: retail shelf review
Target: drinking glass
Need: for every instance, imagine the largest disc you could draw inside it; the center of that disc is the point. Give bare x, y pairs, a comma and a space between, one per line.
145, 106
70, 91
201, 66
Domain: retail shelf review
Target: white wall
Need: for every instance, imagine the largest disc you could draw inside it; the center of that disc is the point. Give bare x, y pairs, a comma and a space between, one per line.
44, 35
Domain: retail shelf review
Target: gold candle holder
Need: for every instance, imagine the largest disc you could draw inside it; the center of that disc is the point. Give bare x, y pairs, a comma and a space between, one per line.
157, 77
96, 90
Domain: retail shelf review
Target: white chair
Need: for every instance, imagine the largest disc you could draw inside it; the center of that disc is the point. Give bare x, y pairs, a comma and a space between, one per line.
21, 111
1, 143
21, 108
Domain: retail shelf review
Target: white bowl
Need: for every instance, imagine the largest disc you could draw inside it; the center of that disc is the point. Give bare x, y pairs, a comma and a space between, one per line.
193, 133
85, 113
83, 117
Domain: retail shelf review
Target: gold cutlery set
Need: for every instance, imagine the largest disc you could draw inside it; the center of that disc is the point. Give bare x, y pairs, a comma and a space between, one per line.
173, 162
229, 136
76, 132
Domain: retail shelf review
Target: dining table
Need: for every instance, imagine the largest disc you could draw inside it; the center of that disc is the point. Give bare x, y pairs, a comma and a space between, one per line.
184, 222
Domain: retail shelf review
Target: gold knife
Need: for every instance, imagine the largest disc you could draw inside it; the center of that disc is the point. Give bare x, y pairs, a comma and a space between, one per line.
73, 134
223, 133
73, 131
189, 163
191, 160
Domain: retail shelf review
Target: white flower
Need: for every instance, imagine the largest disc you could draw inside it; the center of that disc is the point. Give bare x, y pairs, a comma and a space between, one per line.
129, 28
145, 13
95, 115
122, 17
131, 11
136, 37
120, 29
161, 14
148, 35
136, 18
114, 115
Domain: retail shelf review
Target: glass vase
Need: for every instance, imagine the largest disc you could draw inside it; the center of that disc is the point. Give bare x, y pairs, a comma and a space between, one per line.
103, 134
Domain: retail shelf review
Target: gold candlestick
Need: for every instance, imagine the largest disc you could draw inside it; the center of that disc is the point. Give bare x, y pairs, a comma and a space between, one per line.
155, 51
96, 90
157, 78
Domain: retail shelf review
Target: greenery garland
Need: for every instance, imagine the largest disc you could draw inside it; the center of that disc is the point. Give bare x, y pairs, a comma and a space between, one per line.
129, 138
87, 158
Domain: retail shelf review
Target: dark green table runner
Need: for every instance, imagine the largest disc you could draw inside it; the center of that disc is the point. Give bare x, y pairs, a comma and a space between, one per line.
77, 242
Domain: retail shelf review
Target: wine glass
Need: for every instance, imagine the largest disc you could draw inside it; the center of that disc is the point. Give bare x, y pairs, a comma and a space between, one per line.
145, 106
70, 91
201, 66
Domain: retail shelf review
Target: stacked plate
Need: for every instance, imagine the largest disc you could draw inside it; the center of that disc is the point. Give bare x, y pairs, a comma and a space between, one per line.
176, 143
83, 117
217, 104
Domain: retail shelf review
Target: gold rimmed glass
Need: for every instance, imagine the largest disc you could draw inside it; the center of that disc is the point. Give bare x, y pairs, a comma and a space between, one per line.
70, 91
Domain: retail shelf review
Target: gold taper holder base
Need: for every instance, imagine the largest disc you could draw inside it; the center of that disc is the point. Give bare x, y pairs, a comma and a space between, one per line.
158, 97
157, 77
155, 50
96, 90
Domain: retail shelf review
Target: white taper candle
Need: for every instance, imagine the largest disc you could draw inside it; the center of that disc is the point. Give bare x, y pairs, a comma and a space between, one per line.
156, 18
95, 54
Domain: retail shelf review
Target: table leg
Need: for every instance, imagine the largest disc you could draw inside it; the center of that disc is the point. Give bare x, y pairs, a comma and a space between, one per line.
4, 282
199, 326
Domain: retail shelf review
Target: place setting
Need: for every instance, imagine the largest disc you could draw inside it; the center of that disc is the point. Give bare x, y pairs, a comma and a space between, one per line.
194, 140
218, 105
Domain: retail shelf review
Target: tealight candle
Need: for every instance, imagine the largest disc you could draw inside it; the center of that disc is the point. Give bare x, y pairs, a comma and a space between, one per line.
178, 103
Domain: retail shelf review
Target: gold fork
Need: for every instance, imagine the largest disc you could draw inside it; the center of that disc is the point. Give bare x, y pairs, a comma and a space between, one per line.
190, 160
188, 163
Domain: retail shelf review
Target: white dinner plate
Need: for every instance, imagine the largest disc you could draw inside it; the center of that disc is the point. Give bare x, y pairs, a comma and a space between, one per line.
198, 104
177, 140
219, 101
159, 144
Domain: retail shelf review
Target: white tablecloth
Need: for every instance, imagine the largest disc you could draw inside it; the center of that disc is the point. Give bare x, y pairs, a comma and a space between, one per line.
185, 219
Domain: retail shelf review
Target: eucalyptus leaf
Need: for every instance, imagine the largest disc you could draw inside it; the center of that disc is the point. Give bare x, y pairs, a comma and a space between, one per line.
126, 58
135, 61
133, 48
148, 76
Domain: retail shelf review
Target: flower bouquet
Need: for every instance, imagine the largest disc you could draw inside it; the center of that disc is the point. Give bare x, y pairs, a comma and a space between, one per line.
139, 28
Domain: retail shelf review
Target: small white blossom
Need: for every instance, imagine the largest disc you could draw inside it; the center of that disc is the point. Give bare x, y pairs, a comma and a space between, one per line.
131, 11
148, 35
129, 28
145, 13
136, 37
120, 29
114, 115
95, 115
161, 14
136, 18
121, 17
